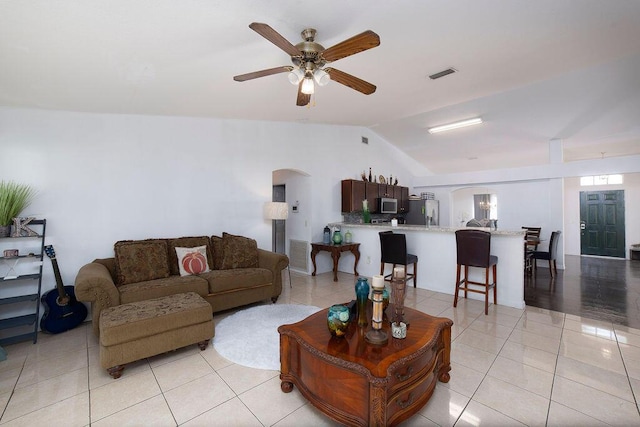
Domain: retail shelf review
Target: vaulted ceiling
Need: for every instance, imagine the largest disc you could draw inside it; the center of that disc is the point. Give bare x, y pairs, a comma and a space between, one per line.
533, 70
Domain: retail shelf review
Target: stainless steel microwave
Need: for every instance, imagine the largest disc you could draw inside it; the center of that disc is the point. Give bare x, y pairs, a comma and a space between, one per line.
388, 206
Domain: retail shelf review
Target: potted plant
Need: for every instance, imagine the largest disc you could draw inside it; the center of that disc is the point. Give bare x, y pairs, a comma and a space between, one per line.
14, 198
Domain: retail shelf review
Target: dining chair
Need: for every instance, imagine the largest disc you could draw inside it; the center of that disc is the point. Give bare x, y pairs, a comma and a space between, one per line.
532, 237
549, 255
393, 249
473, 249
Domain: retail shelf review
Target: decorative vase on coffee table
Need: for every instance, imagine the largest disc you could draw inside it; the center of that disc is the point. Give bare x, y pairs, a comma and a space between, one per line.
338, 320
362, 295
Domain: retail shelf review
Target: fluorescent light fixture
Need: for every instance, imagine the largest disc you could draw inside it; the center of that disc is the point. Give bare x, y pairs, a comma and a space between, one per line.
456, 125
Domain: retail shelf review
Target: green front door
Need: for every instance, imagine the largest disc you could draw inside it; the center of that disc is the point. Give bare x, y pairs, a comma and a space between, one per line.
602, 223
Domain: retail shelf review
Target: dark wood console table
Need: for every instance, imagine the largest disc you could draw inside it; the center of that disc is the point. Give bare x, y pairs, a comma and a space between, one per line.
361, 384
335, 254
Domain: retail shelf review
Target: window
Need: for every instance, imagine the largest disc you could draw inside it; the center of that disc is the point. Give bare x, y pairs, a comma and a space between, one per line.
601, 180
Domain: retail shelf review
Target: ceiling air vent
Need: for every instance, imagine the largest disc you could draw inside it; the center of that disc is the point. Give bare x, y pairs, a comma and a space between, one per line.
442, 73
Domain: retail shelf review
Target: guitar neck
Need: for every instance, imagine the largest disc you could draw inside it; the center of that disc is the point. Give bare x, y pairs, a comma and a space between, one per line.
56, 273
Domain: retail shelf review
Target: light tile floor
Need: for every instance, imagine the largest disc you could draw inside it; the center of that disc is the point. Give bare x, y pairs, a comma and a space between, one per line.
513, 367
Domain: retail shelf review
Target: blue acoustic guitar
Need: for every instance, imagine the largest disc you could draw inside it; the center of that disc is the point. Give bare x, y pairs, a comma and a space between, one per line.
62, 309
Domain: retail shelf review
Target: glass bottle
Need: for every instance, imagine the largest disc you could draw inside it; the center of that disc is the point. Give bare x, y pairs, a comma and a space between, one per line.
326, 236
337, 237
347, 236
362, 295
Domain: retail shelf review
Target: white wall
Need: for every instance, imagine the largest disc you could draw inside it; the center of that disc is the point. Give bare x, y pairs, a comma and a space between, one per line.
103, 178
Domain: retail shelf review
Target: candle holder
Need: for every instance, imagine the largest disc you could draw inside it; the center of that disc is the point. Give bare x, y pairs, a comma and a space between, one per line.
376, 335
398, 283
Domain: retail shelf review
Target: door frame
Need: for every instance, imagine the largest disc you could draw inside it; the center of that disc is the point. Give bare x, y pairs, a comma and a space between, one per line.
607, 209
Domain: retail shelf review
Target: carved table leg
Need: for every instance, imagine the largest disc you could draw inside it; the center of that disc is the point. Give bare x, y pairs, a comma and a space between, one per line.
115, 371
355, 253
314, 252
203, 344
286, 386
336, 258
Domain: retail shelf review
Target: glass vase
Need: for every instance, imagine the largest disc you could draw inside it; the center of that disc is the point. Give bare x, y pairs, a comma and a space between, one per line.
362, 295
338, 320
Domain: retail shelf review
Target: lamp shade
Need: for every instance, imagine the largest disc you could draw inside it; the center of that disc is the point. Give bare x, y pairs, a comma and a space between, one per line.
307, 86
276, 210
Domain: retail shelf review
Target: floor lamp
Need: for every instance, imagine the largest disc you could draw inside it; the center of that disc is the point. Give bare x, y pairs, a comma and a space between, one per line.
278, 211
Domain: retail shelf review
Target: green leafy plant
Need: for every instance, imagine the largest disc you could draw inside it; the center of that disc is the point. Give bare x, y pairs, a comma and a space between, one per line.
14, 198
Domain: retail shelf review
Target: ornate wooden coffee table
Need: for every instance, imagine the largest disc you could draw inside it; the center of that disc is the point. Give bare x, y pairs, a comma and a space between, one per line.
360, 384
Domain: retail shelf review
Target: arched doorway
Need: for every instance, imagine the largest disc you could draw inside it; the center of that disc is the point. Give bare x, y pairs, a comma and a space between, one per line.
294, 234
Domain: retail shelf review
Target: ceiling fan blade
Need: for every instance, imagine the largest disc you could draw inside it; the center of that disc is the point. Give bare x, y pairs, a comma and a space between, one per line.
303, 99
274, 37
262, 73
351, 81
355, 44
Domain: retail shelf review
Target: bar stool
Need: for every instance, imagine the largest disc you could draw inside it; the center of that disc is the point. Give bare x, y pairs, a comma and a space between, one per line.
393, 249
473, 250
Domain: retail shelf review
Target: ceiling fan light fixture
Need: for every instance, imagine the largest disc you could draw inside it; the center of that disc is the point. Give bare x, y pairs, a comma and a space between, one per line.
455, 125
307, 86
295, 76
321, 77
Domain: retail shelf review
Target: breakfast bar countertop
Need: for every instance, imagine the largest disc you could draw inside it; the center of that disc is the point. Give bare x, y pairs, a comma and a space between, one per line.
430, 229
435, 248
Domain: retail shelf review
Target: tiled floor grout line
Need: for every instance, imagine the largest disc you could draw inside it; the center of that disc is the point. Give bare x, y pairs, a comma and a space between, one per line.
555, 369
626, 371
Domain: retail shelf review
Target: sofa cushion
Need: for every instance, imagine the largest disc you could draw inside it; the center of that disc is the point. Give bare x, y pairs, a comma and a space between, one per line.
239, 252
141, 260
230, 280
218, 252
171, 285
187, 242
192, 260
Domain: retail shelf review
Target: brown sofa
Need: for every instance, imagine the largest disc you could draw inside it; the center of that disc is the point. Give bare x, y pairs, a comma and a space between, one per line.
240, 273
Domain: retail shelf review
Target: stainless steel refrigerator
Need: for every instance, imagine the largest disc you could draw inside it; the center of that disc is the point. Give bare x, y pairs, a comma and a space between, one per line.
421, 210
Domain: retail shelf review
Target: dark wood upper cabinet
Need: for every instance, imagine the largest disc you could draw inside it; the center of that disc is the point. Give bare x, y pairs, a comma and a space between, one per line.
353, 193
385, 190
371, 193
403, 200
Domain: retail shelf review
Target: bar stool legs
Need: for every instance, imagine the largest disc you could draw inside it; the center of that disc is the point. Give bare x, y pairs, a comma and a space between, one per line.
462, 284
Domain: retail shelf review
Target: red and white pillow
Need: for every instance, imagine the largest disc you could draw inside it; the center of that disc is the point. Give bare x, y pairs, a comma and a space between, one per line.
192, 260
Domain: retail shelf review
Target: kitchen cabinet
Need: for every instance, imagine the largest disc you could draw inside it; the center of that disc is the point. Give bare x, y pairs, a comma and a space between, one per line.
402, 194
371, 193
21, 284
385, 190
353, 193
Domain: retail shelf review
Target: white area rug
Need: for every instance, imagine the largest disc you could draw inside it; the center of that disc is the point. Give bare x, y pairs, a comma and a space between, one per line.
250, 337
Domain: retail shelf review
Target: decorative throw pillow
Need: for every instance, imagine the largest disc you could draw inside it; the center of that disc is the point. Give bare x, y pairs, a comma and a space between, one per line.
186, 242
218, 252
239, 252
192, 260
141, 260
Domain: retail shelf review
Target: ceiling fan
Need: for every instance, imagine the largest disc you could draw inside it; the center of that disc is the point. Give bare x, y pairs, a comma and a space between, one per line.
309, 59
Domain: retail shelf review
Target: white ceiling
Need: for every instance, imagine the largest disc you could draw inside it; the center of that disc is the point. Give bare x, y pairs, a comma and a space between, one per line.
533, 70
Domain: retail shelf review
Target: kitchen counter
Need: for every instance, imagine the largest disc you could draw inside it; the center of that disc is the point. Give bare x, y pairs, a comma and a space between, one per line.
432, 229
436, 251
